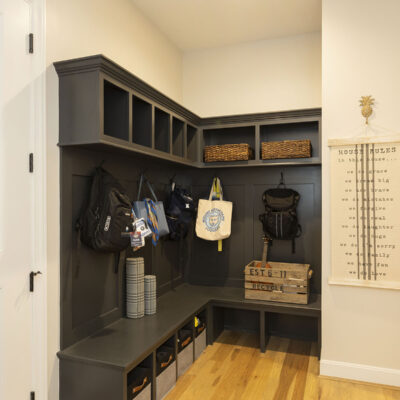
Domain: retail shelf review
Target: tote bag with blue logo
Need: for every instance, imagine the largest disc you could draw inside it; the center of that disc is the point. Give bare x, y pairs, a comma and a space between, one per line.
214, 215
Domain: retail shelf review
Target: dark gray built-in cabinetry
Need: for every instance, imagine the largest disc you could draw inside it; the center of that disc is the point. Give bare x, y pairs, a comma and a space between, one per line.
109, 116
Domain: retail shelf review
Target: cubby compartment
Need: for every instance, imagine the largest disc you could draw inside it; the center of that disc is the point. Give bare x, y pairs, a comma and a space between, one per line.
200, 334
231, 135
161, 130
139, 381
191, 143
291, 326
178, 130
141, 122
185, 348
308, 130
235, 320
116, 111
165, 368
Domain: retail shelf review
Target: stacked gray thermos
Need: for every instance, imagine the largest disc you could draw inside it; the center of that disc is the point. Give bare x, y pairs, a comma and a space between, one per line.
150, 302
135, 287
141, 291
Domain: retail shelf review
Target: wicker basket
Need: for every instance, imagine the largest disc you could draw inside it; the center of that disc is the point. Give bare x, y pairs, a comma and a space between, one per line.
227, 152
286, 149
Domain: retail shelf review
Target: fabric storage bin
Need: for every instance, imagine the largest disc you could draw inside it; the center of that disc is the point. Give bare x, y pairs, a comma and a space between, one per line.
200, 344
185, 336
200, 328
166, 380
200, 341
185, 359
139, 384
165, 355
144, 394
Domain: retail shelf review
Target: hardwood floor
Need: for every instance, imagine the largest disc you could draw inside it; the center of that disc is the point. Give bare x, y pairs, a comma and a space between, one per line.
233, 368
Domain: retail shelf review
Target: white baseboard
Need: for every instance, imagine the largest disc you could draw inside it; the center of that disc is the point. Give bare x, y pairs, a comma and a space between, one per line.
360, 372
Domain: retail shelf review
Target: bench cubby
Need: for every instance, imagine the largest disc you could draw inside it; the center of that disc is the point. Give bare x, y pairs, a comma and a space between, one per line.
139, 381
200, 335
166, 368
185, 347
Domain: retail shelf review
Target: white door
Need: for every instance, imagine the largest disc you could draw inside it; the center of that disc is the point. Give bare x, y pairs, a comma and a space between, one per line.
22, 316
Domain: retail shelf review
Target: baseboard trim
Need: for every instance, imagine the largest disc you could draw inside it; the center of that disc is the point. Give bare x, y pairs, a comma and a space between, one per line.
360, 372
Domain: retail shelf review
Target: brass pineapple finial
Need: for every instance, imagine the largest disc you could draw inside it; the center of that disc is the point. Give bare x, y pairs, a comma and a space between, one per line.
366, 104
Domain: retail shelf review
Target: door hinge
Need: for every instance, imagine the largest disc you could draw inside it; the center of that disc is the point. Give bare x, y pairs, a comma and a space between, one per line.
31, 43
32, 395
30, 162
32, 280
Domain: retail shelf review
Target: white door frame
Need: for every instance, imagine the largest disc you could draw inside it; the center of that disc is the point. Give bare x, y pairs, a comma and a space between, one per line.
37, 379
39, 299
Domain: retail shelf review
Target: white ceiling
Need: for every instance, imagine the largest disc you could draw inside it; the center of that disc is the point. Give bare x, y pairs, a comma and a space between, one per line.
194, 24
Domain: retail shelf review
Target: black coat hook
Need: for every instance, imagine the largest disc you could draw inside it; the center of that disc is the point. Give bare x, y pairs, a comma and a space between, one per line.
282, 181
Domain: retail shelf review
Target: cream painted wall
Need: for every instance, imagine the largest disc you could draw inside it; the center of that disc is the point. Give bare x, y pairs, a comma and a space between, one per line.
360, 326
77, 28
268, 75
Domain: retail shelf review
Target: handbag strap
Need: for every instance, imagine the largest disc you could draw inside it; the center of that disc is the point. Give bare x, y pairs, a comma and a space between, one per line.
151, 190
216, 190
143, 178
140, 186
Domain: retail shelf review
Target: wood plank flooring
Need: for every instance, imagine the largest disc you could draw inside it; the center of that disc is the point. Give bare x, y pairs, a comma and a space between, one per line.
233, 368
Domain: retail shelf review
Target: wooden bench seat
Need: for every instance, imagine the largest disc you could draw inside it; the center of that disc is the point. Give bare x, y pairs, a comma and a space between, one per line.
128, 341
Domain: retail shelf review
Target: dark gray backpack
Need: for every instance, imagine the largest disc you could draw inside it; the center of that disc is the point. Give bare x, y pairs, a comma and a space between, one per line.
280, 217
107, 215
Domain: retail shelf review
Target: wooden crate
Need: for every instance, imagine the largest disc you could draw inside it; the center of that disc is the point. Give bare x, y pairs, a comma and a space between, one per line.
283, 282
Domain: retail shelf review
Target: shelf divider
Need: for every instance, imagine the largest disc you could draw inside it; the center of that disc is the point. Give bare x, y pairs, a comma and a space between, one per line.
185, 129
257, 143
153, 127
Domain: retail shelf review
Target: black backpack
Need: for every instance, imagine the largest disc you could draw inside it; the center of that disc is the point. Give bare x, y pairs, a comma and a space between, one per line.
106, 216
280, 217
180, 211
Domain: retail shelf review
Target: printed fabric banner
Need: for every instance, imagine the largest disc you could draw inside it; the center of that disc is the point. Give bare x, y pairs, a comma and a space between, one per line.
365, 212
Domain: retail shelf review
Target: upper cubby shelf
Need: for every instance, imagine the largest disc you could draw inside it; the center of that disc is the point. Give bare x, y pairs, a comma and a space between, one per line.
102, 104
141, 121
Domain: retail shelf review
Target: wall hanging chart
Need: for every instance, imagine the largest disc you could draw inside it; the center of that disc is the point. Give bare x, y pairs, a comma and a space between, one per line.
365, 204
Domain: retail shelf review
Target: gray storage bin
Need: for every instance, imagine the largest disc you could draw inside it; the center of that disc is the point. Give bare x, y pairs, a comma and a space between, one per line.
185, 359
145, 394
200, 343
166, 381
139, 383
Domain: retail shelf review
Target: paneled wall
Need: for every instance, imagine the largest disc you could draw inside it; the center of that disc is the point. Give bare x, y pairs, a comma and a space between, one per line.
93, 295
244, 187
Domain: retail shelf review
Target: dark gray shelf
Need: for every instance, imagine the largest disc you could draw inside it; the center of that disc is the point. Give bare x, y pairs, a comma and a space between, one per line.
264, 163
127, 342
100, 102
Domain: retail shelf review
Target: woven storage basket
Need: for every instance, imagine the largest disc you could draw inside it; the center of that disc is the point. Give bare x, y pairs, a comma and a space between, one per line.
227, 152
286, 149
